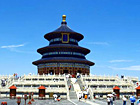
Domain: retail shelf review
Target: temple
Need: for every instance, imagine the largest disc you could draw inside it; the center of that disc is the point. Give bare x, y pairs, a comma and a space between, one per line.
63, 55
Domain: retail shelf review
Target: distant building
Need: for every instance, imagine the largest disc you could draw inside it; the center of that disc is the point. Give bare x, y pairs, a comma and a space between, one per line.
63, 55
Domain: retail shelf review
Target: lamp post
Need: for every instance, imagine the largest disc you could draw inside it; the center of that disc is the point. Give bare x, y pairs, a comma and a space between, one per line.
18, 100
25, 98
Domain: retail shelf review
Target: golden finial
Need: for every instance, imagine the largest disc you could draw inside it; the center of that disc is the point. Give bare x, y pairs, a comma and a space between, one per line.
64, 18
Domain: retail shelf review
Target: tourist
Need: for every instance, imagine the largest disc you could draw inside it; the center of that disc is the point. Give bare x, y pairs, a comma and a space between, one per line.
67, 77
53, 79
3, 83
132, 99
29, 95
111, 100
124, 100
16, 75
78, 75
69, 87
138, 102
94, 96
80, 96
55, 97
88, 96
58, 98
114, 96
73, 80
85, 96
85, 93
87, 90
83, 87
108, 100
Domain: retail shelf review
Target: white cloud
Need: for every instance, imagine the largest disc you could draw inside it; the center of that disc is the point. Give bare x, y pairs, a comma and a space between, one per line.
114, 61
135, 68
98, 43
19, 51
13, 46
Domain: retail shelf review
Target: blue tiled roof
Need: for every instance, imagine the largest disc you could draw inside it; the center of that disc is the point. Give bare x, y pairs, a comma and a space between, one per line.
63, 59
60, 46
63, 28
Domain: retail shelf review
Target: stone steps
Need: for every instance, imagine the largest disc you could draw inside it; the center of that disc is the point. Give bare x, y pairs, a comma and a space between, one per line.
72, 93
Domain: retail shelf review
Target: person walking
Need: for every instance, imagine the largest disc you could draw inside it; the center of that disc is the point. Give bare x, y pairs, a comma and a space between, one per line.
124, 100
80, 96
132, 103
69, 87
138, 102
86, 97
108, 100
67, 77
55, 97
132, 99
111, 100
83, 88
58, 98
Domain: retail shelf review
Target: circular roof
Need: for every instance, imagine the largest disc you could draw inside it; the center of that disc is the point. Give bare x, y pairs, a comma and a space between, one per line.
59, 47
63, 59
63, 29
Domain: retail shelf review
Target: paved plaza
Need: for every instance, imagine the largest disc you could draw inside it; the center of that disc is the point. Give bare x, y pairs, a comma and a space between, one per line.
44, 102
64, 102
116, 102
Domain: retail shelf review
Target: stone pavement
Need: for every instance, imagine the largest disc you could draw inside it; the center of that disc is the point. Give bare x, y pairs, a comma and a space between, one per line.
48, 102
116, 102
63, 102
37, 102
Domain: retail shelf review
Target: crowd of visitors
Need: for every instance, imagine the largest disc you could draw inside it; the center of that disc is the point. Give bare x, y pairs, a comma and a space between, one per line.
83, 95
132, 100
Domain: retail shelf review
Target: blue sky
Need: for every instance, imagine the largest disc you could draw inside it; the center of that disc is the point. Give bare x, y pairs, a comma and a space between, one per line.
111, 30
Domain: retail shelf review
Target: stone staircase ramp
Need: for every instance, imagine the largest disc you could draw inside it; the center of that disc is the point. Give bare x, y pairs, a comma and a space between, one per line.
81, 87
80, 83
72, 93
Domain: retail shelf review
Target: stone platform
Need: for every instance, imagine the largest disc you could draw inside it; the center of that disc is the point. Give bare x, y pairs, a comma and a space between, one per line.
43, 102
